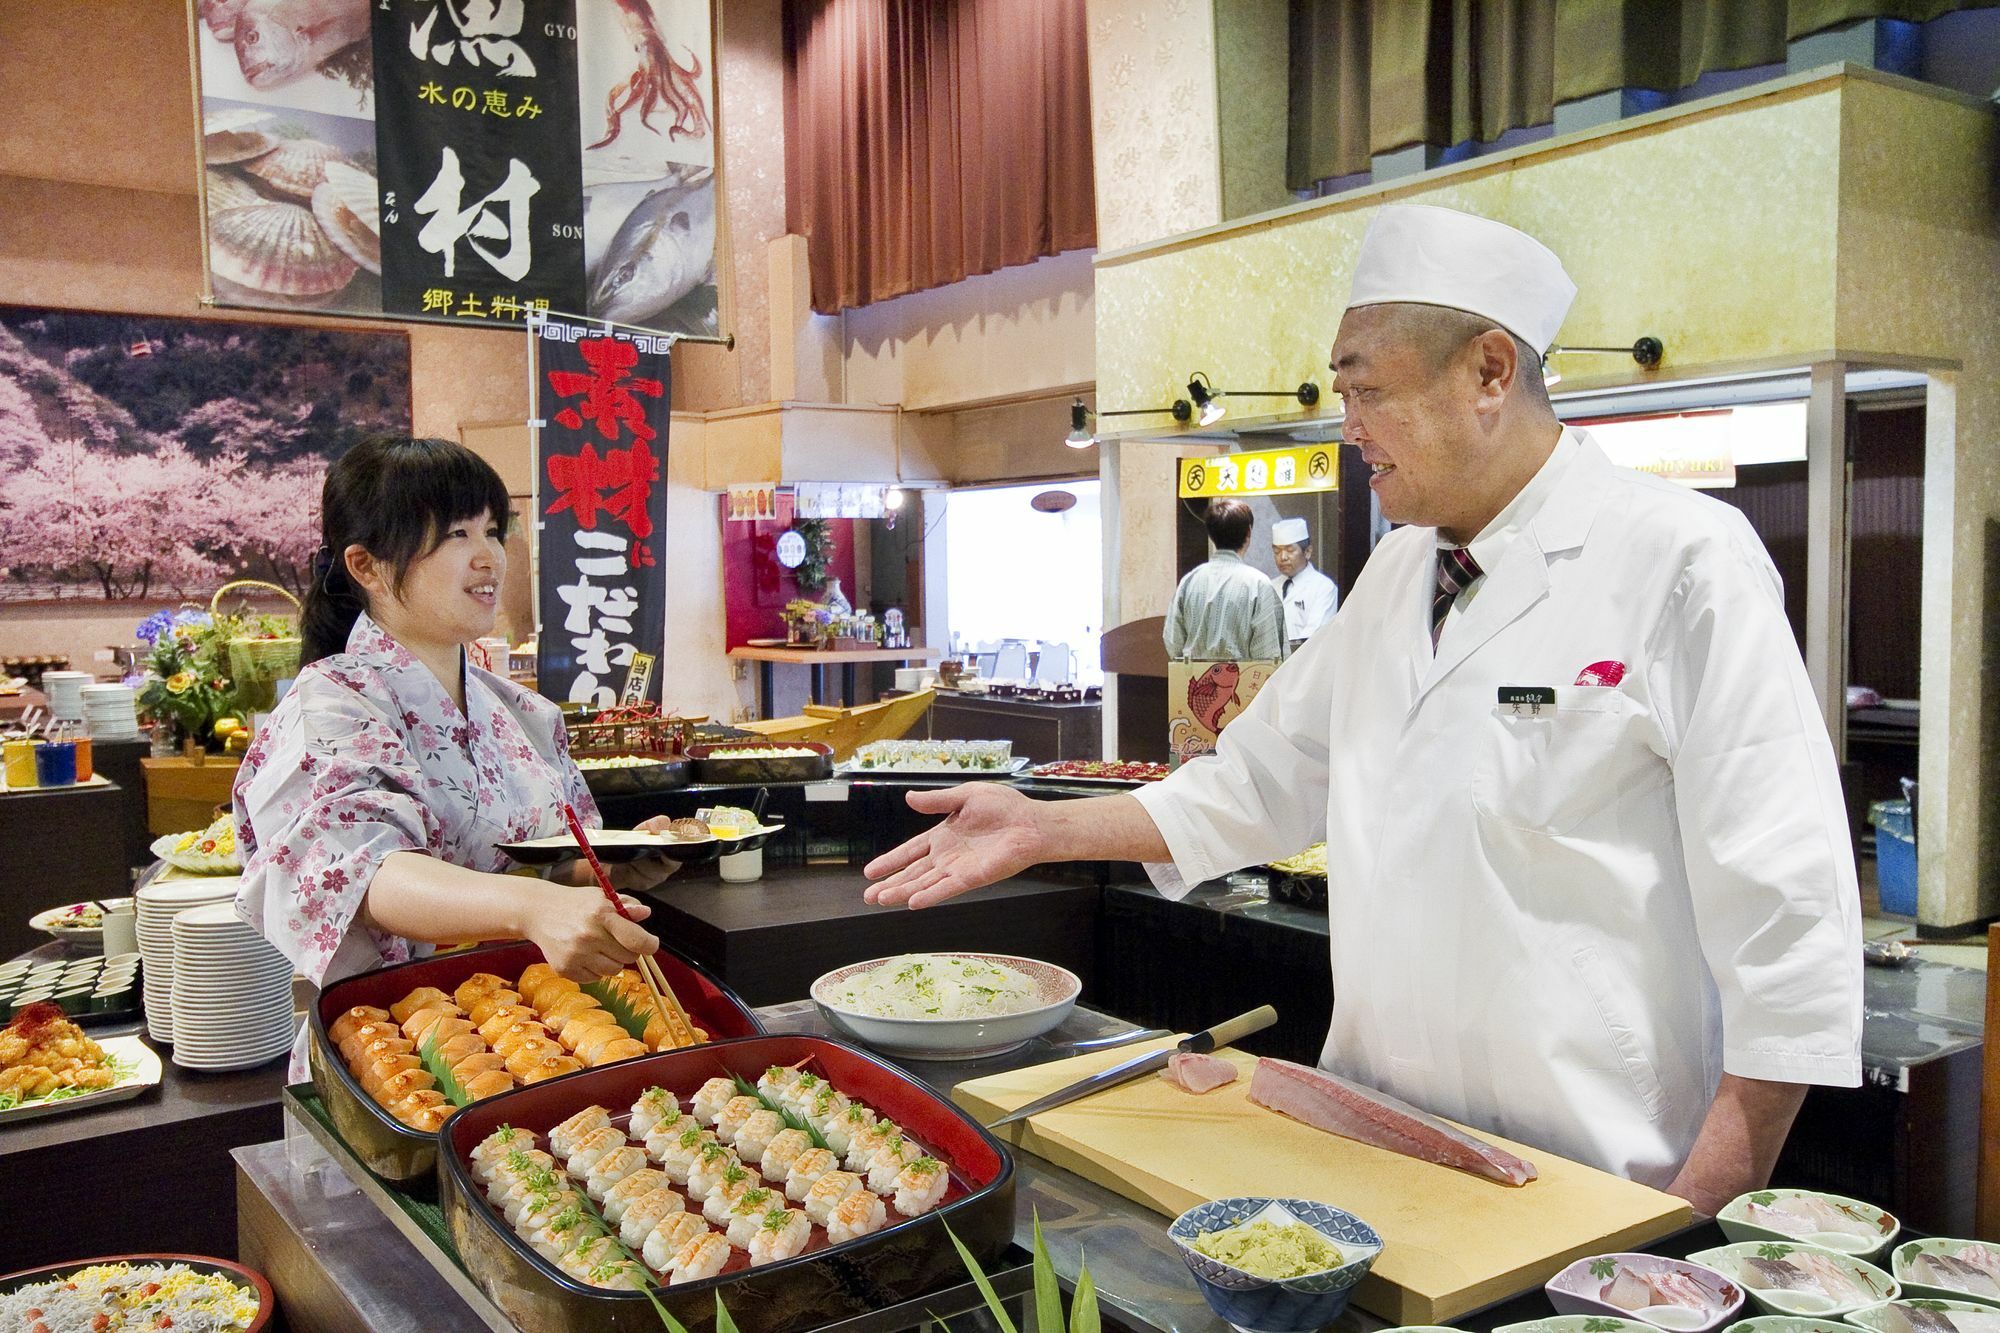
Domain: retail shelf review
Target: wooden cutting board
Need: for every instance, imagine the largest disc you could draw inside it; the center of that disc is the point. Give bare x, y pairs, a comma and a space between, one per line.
1452, 1242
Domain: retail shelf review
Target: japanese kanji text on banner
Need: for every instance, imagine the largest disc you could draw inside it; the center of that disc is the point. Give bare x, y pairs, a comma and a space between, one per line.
601, 450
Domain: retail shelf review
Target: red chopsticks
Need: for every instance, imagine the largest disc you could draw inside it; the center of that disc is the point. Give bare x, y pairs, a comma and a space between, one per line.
679, 1026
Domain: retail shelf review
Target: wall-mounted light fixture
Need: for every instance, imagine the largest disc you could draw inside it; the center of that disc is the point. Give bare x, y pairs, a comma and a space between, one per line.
1082, 437
1648, 351
1205, 398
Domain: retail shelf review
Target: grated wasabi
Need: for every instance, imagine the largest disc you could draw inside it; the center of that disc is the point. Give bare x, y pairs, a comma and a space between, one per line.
1264, 1249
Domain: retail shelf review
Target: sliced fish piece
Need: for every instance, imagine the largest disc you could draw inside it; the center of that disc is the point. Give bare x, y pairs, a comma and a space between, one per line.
1628, 1291
1842, 1284
1776, 1275
1198, 1073
1329, 1102
1945, 1270
1980, 1257
1899, 1317
1676, 1288
1805, 1215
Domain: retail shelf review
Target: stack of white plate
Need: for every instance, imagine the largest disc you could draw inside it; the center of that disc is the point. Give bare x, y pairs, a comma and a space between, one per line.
157, 904
232, 992
65, 692
111, 712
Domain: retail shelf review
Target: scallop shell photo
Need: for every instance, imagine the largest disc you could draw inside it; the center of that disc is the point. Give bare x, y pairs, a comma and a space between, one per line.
231, 135
296, 167
227, 189
276, 248
346, 206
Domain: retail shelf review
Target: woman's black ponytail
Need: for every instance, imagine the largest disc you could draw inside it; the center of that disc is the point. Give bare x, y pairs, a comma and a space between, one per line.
395, 497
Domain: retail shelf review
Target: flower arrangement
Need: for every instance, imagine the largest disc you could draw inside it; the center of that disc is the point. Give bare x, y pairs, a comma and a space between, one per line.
807, 621
188, 679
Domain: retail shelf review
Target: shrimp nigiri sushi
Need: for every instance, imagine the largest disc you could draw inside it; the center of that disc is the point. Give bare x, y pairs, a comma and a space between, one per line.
664, 1135
519, 1174
919, 1186
733, 1184
888, 1162
565, 1136
630, 1190
590, 1148
676, 1153
747, 1214
653, 1106
773, 1081
799, 1093
711, 1097
490, 1151
711, 1164
646, 1213
856, 1215
565, 1231
840, 1131
776, 1163
755, 1134
734, 1116
587, 1255
702, 1257
613, 1167
827, 1192
826, 1106
807, 1168
532, 1212
780, 1234
669, 1236
861, 1149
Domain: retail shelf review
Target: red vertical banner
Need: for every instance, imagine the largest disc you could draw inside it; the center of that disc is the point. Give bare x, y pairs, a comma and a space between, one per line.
601, 511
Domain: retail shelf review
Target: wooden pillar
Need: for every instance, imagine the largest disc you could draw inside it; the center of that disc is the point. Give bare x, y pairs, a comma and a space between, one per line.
1987, 1226
1827, 547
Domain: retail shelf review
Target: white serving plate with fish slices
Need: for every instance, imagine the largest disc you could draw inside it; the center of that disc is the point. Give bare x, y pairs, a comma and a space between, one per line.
1581, 1289
1906, 1254
1897, 1316
1727, 1260
1736, 1222
1577, 1323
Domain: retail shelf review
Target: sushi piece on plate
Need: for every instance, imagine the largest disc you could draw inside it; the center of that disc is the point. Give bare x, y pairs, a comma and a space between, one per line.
424, 997
629, 1191
590, 1148
676, 1152
490, 1083
703, 1257
773, 1081
748, 1212
856, 1215
350, 1019
861, 1150
755, 1134
840, 1130
780, 1234
888, 1162
530, 1214
921, 1183
490, 1151
669, 1236
808, 1168
826, 1106
663, 1135
776, 1163
613, 1167
800, 1092
735, 1181
733, 1116
645, 1214
653, 1106
554, 1066
711, 1165
827, 1192
710, 1098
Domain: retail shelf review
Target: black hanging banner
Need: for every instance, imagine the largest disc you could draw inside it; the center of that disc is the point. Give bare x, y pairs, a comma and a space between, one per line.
601, 447
479, 156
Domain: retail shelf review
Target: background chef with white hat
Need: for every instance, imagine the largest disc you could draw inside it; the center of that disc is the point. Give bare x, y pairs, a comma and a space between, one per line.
1310, 597
1590, 880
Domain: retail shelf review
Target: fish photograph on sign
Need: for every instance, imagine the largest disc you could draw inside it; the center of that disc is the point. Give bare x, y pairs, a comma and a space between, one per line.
646, 70
313, 55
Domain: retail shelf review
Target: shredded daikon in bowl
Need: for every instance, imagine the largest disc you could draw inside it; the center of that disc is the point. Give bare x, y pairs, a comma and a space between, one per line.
929, 985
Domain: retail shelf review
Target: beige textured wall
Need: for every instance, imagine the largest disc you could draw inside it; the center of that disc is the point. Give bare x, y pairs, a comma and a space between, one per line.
1253, 42
1153, 118
1020, 330
1920, 275
1006, 442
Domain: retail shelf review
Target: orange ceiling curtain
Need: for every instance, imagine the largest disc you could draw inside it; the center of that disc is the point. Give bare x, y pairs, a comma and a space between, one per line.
930, 140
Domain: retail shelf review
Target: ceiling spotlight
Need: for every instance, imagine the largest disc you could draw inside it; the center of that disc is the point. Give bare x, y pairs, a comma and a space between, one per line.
1647, 351
1206, 400
1080, 436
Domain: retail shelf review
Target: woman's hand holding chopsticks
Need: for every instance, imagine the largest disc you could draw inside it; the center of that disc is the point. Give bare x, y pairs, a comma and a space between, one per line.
581, 933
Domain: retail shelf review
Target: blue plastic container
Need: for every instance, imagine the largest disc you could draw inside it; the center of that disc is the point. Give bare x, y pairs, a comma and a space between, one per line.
1895, 856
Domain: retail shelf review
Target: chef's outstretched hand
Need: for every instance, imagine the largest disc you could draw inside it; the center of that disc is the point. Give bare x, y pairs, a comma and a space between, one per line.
989, 833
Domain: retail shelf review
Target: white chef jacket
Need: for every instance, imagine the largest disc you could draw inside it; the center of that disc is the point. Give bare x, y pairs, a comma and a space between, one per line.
1563, 928
1309, 603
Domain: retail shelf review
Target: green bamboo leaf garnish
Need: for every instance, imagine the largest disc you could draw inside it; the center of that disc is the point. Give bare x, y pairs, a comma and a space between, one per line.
447, 1082
993, 1302
1083, 1317
630, 1017
1048, 1292
749, 1089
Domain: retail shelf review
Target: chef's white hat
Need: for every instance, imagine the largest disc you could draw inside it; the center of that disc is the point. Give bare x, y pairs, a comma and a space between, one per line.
1438, 256
1289, 532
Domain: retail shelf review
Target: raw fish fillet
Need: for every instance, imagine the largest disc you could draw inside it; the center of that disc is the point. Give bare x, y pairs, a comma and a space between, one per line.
1639, 1291
1804, 1271
1902, 1317
1944, 1270
1198, 1073
1776, 1275
1627, 1291
1981, 1258
1803, 1215
1837, 1282
1329, 1102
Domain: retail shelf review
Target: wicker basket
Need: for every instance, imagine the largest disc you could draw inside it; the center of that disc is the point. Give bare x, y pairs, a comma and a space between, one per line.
257, 665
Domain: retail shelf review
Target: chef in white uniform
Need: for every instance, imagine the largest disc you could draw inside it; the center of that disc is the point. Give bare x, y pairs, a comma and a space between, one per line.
1590, 879
1310, 597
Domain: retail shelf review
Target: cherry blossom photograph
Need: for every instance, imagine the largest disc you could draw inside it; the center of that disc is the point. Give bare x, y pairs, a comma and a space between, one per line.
150, 457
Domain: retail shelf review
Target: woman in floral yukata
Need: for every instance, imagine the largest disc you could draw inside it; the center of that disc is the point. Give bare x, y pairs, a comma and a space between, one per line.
369, 806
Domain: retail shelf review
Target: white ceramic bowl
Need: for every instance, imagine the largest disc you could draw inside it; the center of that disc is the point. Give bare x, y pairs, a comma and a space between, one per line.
954, 1038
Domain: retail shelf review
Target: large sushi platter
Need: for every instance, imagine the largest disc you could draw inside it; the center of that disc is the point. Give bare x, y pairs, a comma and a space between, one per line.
1454, 1241
701, 1172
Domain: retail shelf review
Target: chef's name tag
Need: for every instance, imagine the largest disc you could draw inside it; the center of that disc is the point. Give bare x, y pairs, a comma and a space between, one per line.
1527, 700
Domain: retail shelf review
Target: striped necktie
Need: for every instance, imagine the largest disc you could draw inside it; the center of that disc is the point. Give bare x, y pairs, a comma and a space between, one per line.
1456, 571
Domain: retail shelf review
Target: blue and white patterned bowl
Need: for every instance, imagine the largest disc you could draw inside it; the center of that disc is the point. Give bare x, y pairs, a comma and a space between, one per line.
1293, 1305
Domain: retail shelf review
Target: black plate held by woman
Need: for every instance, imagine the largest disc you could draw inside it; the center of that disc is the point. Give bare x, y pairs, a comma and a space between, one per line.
614, 846
824, 1284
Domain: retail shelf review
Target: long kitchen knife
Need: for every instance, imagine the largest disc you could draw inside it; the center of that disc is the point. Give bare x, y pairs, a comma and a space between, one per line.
1222, 1034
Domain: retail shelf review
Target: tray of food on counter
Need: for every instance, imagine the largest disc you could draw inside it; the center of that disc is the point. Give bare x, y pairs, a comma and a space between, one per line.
206, 851
749, 764
90, 990
632, 774
1301, 878
395, 1051
1111, 772
796, 1178
957, 759
699, 838
48, 1065
138, 1291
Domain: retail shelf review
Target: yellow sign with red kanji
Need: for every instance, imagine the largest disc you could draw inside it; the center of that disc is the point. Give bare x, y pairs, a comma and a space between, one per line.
1312, 467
